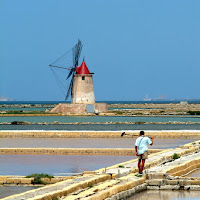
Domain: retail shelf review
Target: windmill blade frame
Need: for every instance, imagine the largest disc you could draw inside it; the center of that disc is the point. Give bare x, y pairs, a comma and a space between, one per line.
69, 92
70, 73
76, 52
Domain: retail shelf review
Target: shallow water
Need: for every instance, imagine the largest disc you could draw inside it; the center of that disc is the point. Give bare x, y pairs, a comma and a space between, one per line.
13, 164
195, 173
6, 191
166, 195
103, 127
56, 164
103, 119
86, 143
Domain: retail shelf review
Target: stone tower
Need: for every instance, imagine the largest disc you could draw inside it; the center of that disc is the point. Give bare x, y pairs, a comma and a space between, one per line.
83, 90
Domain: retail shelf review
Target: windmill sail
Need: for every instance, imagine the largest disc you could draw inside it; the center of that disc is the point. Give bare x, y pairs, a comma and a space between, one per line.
63, 63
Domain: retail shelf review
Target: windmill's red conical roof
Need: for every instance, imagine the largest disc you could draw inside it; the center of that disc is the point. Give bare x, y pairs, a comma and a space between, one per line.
82, 69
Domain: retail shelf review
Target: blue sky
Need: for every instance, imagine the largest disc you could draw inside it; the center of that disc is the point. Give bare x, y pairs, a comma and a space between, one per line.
133, 47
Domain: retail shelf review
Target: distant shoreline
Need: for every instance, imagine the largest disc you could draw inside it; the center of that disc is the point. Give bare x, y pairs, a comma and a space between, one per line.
108, 102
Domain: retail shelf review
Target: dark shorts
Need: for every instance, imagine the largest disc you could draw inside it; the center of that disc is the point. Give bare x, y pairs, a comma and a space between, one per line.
143, 156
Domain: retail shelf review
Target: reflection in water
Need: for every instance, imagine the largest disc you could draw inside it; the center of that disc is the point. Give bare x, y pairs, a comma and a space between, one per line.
166, 195
56, 164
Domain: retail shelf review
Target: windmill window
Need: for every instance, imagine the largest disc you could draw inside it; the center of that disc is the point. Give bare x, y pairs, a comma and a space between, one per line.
83, 78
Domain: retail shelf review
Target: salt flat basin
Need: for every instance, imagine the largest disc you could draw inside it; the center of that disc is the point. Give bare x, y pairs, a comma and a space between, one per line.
12, 164
59, 165
102, 119
86, 143
195, 173
101, 127
6, 191
166, 195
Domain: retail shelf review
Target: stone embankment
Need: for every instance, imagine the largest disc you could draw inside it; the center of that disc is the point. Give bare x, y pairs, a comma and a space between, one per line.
119, 181
97, 134
74, 151
22, 180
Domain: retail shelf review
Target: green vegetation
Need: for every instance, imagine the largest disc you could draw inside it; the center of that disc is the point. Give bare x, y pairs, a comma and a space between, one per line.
121, 166
194, 112
162, 111
37, 178
118, 112
176, 156
55, 198
90, 185
138, 113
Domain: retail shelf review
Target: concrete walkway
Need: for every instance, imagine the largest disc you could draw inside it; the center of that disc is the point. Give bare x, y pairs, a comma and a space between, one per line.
61, 188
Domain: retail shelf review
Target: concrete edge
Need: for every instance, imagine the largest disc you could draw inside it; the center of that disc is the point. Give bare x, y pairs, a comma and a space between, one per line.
74, 151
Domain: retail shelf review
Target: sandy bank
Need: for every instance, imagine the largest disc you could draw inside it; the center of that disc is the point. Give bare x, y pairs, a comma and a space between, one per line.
97, 134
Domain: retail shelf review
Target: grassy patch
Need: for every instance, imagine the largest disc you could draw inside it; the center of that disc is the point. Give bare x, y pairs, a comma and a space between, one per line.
37, 178
90, 185
176, 156
118, 112
138, 113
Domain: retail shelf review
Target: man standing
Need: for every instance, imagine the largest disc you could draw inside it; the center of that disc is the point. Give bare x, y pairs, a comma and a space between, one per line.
141, 149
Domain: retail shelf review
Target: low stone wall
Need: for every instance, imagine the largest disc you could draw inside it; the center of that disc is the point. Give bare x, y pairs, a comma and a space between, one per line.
173, 178
74, 151
97, 134
112, 188
15, 180
147, 165
79, 108
184, 168
22, 180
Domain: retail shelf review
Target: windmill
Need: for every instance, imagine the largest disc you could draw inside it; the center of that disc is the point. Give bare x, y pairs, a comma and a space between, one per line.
76, 52
80, 85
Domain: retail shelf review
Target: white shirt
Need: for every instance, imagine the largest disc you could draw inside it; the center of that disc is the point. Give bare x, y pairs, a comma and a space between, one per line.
141, 143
